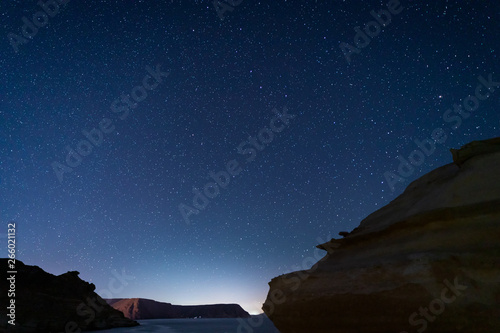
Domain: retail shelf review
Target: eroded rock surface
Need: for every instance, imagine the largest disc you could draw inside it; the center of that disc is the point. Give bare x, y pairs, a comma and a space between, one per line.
428, 261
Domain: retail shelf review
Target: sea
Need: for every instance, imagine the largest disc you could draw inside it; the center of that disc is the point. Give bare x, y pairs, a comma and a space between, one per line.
255, 324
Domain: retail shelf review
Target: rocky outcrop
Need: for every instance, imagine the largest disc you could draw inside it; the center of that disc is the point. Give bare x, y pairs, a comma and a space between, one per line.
428, 261
140, 308
473, 149
48, 303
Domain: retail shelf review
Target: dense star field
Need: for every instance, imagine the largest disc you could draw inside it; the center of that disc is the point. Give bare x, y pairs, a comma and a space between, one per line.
188, 153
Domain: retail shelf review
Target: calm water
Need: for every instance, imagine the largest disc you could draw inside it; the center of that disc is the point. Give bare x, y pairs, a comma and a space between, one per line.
256, 324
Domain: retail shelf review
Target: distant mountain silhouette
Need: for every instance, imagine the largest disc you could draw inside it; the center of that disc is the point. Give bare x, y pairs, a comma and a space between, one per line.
140, 308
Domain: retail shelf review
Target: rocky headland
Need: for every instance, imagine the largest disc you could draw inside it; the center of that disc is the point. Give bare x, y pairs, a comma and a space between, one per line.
140, 308
429, 261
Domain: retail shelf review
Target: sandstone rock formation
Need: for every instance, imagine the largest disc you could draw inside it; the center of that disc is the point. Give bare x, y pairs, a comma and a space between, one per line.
140, 308
428, 261
48, 303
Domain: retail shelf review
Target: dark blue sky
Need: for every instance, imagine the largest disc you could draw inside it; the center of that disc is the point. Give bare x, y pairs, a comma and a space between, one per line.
118, 209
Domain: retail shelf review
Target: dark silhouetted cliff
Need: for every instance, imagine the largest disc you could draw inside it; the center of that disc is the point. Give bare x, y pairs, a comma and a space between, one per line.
48, 303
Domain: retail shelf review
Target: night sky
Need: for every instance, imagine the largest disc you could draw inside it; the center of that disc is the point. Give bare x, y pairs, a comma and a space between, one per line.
171, 94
